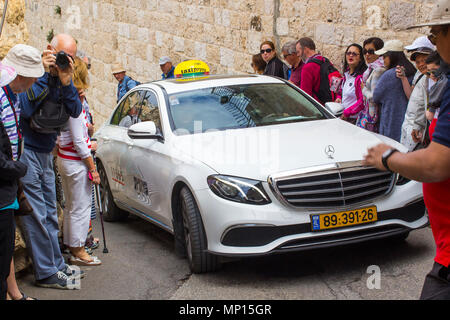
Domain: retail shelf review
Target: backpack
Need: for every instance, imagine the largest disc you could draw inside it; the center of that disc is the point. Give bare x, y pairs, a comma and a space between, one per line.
50, 117
126, 84
329, 80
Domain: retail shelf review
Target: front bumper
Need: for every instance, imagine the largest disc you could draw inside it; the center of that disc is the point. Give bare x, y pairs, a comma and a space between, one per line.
235, 229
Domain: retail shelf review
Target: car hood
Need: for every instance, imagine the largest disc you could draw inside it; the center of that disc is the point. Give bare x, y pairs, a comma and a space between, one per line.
256, 153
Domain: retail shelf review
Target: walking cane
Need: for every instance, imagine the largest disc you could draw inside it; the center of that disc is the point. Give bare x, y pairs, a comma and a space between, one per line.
100, 207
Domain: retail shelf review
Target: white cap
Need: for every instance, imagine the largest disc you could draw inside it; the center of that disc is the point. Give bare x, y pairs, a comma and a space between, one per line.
421, 42
26, 60
164, 60
440, 15
391, 45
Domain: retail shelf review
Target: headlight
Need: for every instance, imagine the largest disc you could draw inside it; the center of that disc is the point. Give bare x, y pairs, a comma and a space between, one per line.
238, 189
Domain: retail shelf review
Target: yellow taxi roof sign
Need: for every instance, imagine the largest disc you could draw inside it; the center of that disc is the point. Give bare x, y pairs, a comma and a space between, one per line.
191, 69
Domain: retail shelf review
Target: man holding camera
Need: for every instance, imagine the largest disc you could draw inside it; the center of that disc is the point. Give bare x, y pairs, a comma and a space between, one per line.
55, 87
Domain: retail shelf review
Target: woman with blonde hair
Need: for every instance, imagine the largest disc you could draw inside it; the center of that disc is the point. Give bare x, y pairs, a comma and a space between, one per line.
77, 170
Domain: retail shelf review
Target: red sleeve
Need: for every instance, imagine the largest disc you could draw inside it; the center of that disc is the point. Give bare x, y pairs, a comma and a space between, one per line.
309, 76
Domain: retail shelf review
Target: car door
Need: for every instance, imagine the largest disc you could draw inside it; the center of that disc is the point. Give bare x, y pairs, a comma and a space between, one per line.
148, 167
116, 144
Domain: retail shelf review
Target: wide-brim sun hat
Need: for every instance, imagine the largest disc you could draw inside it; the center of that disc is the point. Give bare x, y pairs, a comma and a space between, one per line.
26, 61
391, 45
7, 75
117, 68
440, 15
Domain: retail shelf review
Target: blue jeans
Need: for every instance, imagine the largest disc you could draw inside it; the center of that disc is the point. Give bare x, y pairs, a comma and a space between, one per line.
41, 227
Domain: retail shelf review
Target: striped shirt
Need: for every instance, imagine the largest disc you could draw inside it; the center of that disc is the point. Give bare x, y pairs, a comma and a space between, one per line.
75, 144
9, 120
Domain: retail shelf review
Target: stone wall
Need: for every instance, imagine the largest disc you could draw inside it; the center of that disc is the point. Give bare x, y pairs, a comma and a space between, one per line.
223, 33
14, 29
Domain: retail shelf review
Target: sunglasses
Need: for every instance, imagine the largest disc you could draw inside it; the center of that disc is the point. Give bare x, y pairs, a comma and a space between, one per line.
266, 51
354, 54
370, 51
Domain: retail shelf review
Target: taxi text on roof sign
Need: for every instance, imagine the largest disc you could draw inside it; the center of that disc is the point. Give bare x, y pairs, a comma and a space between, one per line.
191, 69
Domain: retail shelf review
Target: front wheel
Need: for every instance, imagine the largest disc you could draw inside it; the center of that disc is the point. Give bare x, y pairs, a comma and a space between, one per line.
200, 261
111, 212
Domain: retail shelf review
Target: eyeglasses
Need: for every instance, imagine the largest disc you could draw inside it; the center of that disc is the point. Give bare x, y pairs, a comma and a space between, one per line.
287, 55
349, 53
370, 51
266, 51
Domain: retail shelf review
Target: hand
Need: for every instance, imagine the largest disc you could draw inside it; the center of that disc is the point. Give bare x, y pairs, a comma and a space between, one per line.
400, 72
343, 118
374, 156
66, 75
429, 115
95, 177
417, 135
338, 100
48, 60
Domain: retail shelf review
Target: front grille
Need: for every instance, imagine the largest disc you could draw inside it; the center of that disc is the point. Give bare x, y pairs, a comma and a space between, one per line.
335, 188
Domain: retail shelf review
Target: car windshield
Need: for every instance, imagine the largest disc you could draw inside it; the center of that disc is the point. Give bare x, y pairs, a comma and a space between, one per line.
239, 106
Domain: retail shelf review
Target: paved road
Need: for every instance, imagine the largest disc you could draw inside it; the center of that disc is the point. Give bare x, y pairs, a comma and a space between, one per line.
141, 264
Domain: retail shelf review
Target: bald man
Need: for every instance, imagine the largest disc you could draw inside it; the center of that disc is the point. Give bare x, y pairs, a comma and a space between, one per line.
41, 227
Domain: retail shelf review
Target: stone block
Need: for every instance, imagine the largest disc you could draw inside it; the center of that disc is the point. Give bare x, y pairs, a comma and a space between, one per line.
282, 26
401, 15
351, 12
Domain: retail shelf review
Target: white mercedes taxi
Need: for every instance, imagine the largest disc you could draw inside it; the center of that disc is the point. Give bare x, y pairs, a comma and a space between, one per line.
247, 165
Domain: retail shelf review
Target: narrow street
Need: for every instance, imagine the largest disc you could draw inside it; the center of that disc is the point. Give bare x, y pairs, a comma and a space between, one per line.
141, 265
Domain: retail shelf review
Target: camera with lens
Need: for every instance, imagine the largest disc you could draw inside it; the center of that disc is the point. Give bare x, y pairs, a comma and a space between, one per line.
62, 60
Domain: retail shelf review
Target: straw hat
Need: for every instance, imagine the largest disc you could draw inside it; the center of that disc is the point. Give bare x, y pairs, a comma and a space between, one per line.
117, 68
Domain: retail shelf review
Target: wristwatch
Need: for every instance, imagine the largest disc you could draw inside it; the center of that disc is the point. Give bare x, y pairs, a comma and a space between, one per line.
386, 156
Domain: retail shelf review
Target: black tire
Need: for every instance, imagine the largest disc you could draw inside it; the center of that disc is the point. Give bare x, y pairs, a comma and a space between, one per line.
200, 261
111, 213
400, 237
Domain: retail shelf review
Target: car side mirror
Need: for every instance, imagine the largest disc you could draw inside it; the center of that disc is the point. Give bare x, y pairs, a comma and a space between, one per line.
335, 108
144, 130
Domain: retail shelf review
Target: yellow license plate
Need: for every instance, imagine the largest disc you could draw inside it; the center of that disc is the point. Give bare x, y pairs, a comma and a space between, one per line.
349, 218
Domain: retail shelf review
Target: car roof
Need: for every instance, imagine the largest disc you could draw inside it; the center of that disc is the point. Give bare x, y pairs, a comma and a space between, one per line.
175, 86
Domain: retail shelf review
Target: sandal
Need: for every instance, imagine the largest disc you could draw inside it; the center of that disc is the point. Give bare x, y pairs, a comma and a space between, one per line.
81, 262
25, 297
